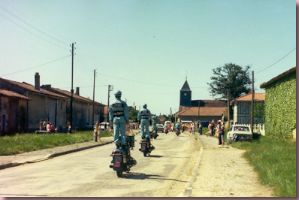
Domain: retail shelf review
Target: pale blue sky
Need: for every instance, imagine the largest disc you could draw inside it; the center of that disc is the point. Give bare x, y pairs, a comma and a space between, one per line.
145, 48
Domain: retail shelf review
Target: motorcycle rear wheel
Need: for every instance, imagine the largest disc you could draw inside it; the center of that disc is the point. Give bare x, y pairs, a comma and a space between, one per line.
119, 173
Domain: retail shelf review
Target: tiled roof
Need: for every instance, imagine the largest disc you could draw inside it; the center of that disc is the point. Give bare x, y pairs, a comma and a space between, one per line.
202, 111
248, 97
31, 88
280, 76
12, 94
68, 94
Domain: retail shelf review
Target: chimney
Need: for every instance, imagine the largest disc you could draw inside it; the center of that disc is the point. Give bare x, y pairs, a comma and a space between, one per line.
37, 81
77, 91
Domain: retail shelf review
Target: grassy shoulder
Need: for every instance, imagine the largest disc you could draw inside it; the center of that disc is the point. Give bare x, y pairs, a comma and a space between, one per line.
275, 162
20, 143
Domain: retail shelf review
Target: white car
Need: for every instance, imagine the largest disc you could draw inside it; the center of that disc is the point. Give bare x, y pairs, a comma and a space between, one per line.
239, 133
104, 125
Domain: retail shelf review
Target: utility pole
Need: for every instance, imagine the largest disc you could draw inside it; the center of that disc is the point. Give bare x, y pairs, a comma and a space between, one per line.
94, 82
252, 102
198, 111
72, 91
228, 108
110, 88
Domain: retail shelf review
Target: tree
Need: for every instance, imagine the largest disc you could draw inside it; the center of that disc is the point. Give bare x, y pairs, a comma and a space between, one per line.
132, 114
230, 79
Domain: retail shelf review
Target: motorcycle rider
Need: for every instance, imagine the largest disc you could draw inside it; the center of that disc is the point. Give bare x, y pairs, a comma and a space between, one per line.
178, 126
118, 118
144, 117
155, 128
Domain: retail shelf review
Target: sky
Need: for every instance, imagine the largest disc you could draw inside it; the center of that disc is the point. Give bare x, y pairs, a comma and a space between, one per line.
144, 48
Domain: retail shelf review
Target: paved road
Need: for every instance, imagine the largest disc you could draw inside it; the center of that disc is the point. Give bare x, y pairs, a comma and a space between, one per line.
86, 173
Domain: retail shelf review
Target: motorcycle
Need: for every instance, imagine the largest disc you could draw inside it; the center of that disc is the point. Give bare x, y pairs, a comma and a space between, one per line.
177, 131
122, 161
146, 147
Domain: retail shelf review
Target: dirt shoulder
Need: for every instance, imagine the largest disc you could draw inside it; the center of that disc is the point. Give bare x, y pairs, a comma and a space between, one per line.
224, 172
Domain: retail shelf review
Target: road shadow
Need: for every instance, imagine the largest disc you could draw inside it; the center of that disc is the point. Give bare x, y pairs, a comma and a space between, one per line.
143, 176
155, 156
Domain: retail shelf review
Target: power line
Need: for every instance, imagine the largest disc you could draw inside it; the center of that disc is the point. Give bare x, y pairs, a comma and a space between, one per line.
36, 66
280, 59
29, 29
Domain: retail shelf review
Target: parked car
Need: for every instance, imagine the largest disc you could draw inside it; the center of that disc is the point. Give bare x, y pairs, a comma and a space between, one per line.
239, 133
160, 127
104, 125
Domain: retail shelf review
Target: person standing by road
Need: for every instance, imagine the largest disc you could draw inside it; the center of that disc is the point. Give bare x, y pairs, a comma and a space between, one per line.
220, 132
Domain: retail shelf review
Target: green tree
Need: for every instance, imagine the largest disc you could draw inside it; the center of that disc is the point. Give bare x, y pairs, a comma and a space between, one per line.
230, 79
132, 114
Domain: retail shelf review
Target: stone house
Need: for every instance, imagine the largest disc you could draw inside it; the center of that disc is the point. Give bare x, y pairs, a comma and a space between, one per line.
42, 104
13, 112
82, 108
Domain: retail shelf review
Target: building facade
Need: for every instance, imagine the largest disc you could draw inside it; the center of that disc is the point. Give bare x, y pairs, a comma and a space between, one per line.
280, 105
13, 112
42, 104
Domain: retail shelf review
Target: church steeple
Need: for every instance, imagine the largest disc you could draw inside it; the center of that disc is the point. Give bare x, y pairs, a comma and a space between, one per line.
185, 95
185, 86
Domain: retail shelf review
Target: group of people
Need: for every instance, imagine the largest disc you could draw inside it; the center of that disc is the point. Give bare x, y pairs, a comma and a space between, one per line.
119, 122
47, 126
217, 130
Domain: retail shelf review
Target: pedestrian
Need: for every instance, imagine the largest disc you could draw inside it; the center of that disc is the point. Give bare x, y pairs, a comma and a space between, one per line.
212, 127
220, 132
192, 128
130, 136
96, 131
199, 128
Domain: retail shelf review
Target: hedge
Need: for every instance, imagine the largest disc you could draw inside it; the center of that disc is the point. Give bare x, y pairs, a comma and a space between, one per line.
280, 108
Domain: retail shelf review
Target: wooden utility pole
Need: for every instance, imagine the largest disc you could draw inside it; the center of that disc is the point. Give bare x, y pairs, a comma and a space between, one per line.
228, 108
109, 90
94, 82
252, 103
72, 90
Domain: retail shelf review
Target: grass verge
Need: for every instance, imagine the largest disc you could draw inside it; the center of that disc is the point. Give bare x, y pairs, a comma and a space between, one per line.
275, 162
20, 143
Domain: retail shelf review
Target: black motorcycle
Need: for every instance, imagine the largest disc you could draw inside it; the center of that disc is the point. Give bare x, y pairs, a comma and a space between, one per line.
177, 131
122, 161
146, 147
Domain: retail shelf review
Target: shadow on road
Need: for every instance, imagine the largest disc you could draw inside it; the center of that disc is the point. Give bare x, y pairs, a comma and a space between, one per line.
142, 176
155, 156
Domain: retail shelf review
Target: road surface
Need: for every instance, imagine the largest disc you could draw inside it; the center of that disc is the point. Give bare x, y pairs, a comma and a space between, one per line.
87, 174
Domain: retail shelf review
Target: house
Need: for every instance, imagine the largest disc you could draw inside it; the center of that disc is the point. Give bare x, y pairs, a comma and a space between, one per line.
203, 110
280, 105
204, 114
13, 112
242, 109
42, 104
82, 108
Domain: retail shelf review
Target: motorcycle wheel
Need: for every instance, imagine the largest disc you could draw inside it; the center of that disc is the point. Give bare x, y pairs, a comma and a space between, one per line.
144, 154
119, 173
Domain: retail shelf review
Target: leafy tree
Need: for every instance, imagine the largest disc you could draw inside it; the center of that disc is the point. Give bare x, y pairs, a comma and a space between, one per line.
230, 79
132, 114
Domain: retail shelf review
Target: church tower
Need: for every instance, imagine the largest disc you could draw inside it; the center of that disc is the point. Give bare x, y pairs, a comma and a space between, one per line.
185, 95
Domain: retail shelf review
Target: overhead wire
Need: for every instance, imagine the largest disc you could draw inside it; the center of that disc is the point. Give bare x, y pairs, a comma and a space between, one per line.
37, 66
29, 28
280, 59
